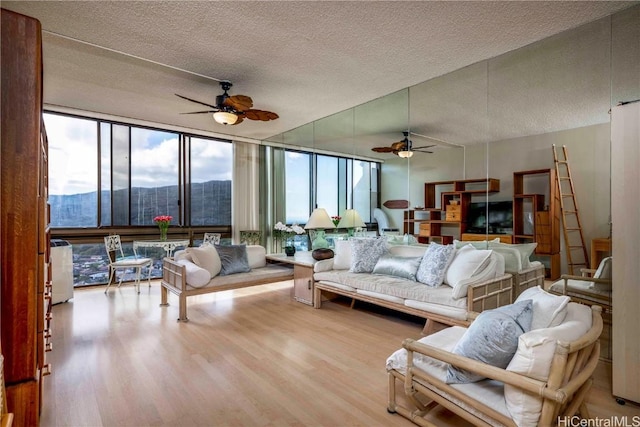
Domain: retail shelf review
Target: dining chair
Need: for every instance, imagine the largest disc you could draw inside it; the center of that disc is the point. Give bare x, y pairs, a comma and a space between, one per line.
117, 261
211, 238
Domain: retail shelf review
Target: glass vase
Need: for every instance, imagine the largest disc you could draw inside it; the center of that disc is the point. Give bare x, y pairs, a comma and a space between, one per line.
163, 234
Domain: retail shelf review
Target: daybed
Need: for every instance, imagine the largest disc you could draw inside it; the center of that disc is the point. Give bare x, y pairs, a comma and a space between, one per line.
526, 364
474, 280
197, 271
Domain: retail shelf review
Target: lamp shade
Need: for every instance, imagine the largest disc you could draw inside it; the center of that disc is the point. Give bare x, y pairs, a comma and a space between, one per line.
319, 219
405, 154
351, 219
225, 118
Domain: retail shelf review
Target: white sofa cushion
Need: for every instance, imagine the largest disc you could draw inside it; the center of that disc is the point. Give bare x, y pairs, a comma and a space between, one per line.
342, 255
256, 256
533, 359
548, 310
207, 257
197, 277
525, 250
407, 250
434, 264
467, 261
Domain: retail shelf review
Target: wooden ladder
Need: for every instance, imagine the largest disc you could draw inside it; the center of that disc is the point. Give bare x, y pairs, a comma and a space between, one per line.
573, 236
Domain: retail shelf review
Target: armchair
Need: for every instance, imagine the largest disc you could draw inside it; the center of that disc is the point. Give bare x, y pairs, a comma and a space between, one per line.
585, 289
548, 377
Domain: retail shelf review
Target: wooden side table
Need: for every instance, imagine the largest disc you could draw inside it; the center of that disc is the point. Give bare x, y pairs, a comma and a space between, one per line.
600, 248
302, 274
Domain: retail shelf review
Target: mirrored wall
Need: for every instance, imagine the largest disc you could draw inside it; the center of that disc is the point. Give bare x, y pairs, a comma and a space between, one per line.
499, 119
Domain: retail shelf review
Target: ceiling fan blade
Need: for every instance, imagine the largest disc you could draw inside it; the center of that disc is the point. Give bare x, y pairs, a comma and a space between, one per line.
259, 115
201, 112
383, 149
239, 102
421, 148
398, 146
198, 102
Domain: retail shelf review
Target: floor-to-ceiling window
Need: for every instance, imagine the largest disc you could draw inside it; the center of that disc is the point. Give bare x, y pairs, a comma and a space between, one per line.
107, 176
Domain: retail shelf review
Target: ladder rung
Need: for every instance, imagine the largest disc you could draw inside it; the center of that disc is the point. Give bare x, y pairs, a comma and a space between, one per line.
572, 247
573, 229
567, 194
570, 212
563, 161
564, 177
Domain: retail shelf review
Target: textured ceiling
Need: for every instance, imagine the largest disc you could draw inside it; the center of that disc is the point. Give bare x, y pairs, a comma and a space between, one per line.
303, 60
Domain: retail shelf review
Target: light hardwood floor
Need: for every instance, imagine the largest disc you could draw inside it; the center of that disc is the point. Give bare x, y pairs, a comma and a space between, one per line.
251, 357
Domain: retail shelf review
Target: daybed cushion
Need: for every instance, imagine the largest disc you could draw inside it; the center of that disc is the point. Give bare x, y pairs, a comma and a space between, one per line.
206, 257
403, 267
256, 256
533, 359
234, 259
548, 310
434, 263
197, 277
365, 253
492, 339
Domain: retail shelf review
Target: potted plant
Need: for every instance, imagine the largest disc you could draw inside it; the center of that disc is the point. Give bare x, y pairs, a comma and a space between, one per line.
284, 235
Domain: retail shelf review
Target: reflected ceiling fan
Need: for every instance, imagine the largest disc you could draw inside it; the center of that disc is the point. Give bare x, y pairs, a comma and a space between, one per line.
404, 148
232, 109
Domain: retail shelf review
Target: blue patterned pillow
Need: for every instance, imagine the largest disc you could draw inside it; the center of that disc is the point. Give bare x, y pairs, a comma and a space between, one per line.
492, 339
365, 253
434, 264
397, 266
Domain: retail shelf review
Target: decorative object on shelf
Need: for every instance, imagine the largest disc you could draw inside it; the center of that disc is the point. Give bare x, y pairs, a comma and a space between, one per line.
319, 221
351, 220
336, 220
250, 237
284, 235
396, 204
322, 253
163, 224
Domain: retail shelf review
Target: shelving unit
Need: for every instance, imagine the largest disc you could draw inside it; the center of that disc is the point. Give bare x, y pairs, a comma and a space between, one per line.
437, 197
536, 216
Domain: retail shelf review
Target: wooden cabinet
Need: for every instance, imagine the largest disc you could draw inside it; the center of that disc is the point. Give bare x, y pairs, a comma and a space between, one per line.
536, 216
303, 283
24, 248
446, 207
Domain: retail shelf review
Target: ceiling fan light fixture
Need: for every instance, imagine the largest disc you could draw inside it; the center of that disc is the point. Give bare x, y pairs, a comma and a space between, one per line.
405, 154
225, 118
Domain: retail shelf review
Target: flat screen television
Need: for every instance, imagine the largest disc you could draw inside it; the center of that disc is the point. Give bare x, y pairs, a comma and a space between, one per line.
500, 218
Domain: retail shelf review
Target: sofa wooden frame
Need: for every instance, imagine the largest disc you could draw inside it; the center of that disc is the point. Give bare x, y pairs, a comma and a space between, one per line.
174, 280
563, 394
481, 296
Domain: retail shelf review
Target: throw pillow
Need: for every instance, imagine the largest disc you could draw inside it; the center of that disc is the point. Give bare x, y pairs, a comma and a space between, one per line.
365, 253
342, 255
206, 257
478, 244
603, 272
234, 259
492, 339
525, 249
434, 264
467, 261
403, 267
548, 310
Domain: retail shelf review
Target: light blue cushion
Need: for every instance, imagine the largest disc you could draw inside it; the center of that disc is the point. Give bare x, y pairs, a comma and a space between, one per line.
492, 338
403, 267
365, 253
434, 263
233, 258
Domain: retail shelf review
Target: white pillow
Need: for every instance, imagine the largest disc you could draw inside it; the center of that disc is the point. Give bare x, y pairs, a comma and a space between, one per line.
548, 310
197, 277
533, 359
342, 255
467, 261
525, 249
206, 257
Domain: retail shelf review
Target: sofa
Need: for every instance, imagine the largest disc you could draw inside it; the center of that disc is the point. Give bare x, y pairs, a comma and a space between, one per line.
444, 285
526, 273
215, 268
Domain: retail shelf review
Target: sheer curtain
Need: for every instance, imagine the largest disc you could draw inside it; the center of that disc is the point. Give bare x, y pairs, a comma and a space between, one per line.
246, 188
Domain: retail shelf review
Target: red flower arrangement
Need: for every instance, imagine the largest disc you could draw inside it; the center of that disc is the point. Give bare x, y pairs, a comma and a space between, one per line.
336, 220
163, 223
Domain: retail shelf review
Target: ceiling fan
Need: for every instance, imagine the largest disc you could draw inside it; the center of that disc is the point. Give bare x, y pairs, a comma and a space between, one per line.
404, 148
232, 110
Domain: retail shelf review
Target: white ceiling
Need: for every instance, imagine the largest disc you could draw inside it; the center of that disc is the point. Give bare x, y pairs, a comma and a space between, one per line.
304, 60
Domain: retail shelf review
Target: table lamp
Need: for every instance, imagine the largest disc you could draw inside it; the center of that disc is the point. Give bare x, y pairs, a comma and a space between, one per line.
351, 220
319, 221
